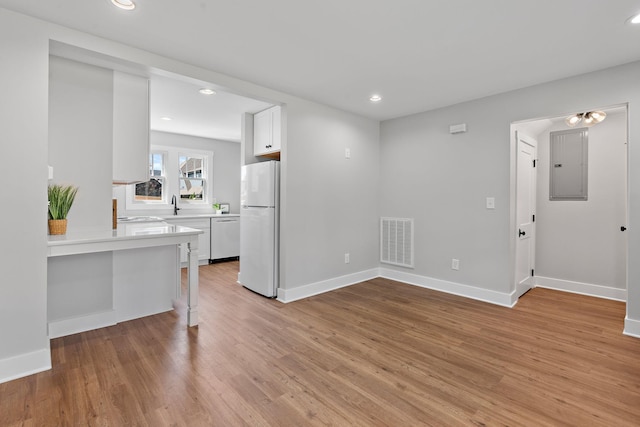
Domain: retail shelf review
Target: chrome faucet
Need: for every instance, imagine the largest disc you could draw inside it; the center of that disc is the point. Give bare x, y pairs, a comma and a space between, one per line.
174, 202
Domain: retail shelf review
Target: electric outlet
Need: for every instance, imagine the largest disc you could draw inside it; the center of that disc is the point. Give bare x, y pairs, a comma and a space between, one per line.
455, 264
346, 258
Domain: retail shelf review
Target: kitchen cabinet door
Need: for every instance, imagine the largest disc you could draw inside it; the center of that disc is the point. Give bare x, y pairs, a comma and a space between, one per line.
130, 128
267, 131
276, 128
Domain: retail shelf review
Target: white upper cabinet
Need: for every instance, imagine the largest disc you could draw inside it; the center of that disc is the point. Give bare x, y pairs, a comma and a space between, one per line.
267, 131
130, 128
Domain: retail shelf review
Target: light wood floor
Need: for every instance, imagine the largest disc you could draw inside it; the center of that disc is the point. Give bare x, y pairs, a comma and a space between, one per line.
373, 354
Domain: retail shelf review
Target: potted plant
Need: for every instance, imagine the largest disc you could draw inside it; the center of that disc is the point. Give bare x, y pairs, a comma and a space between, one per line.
217, 208
61, 198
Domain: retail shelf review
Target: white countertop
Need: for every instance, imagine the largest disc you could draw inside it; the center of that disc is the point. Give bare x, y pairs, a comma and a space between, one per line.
126, 236
194, 216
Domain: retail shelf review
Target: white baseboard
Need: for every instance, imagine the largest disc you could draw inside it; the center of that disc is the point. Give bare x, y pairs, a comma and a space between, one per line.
499, 298
486, 295
125, 318
631, 327
493, 297
582, 288
26, 364
64, 327
290, 295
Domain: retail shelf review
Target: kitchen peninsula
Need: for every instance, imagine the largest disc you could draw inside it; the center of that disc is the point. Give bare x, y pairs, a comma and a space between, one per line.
140, 252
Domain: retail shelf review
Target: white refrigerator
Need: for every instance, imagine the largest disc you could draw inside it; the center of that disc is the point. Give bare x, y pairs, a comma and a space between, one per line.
259, 230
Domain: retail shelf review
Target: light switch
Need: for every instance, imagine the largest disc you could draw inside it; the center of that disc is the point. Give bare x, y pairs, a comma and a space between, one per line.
347, 153
491, 202
50, 172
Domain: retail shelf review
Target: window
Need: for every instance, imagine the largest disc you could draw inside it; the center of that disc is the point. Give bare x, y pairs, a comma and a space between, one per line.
178, 171
152, 190
192, 169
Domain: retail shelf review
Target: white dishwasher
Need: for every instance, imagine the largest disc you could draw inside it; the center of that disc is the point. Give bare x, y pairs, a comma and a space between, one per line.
225, 237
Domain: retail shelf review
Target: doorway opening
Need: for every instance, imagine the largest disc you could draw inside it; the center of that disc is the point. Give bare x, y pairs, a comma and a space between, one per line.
571, 244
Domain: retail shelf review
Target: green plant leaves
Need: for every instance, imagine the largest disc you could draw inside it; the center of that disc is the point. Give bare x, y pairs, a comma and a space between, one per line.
61, 198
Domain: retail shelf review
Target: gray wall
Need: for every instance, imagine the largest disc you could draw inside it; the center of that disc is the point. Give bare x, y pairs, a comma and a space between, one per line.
329, 203
24, 48
80, 152
80, 138
580, 241
442, 180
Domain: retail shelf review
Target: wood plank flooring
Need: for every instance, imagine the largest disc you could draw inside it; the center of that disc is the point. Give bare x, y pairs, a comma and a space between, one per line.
379, 353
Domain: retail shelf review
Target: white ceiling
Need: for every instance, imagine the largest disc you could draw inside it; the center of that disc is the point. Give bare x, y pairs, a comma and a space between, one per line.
210, 116
418, 54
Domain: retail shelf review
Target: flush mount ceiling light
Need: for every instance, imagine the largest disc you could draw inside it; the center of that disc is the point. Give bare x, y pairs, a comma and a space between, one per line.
165, 118
124, 4
375, 98
587, 119
207, 91
635, 19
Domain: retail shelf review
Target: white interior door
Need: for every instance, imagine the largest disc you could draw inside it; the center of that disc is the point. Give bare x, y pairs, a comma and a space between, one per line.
525, 212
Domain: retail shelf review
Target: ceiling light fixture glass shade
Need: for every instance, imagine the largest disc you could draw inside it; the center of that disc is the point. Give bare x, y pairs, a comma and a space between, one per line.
375, 98
635, 19
124, 4
587, 119
207, 91
573, 120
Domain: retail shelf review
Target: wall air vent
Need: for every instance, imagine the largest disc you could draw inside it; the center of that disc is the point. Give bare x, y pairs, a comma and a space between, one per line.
396, 241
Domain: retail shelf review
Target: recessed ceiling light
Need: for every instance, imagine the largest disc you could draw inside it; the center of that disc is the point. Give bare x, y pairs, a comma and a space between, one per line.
375, 98
635, 19
207, 91
124, 4
165, 118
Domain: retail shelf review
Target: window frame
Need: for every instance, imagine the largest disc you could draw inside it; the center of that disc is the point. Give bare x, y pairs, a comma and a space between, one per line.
205, 176
171, 184
132, 203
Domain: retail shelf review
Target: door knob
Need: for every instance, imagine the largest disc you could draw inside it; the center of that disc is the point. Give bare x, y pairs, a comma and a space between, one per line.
623, 228
521, 233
